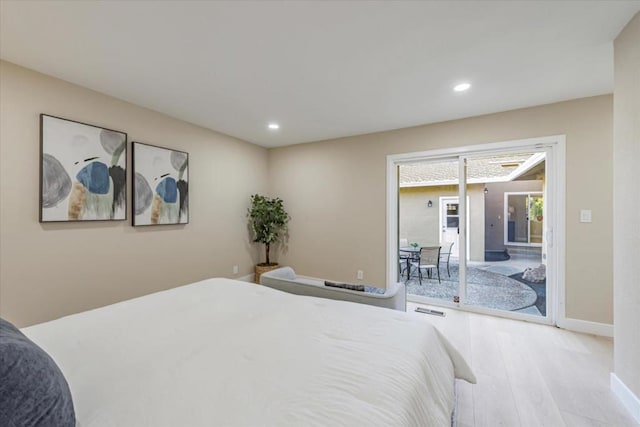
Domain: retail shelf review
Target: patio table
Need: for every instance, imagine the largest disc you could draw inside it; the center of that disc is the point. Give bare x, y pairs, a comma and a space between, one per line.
414, 253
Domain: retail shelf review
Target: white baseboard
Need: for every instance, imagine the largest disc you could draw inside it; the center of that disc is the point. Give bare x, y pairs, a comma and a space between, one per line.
626, 396
247, 278
586, 327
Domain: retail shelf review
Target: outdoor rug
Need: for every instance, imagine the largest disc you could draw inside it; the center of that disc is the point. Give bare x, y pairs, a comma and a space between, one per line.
484, 288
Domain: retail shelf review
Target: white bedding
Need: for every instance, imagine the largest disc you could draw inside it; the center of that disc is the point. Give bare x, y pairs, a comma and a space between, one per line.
226, 353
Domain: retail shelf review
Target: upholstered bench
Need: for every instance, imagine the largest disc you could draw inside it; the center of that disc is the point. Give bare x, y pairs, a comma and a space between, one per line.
285, 279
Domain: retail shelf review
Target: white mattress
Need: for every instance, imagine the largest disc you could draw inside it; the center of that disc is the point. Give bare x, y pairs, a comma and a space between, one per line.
226, 353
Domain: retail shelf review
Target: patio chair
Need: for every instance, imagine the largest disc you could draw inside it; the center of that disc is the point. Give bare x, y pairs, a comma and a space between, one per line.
402, 267
403, 257
429, 259
445, 254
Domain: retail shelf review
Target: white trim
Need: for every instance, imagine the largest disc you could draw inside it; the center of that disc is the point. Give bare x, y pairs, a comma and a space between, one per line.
247, 278
463, 222
555, 166
586, 326
515, 145
393, 192
556, 229
626, 396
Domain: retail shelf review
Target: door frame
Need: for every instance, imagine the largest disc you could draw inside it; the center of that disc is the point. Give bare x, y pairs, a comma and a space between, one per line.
555, 146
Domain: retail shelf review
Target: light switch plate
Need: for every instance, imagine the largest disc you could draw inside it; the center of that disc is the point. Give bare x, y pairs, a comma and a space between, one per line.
585, 215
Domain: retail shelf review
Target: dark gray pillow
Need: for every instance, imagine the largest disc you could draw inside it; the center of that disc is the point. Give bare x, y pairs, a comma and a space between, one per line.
351, 287
33, 391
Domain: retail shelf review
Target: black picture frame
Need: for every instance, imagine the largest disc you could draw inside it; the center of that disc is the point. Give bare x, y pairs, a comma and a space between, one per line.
160, 185
83, 172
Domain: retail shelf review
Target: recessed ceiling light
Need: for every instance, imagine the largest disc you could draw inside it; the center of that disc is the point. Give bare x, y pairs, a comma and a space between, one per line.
462, 87
274, 126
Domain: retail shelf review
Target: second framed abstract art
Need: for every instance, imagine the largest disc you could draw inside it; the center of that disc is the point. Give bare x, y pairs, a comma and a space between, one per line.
160, 185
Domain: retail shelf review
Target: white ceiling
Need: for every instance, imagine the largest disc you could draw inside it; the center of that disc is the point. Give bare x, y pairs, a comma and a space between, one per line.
322, 69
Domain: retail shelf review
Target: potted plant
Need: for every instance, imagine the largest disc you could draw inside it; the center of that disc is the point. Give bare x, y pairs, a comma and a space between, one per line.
268, 222
537, 208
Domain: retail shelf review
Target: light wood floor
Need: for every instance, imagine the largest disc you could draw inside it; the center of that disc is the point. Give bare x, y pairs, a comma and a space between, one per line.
530, 374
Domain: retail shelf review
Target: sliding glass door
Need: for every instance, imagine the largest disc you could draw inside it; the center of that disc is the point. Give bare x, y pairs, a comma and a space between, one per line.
490, 234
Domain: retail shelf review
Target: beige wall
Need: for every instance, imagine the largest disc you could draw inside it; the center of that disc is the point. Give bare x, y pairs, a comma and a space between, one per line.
334, 190
50, 270
336, 194
626, 206
421, 224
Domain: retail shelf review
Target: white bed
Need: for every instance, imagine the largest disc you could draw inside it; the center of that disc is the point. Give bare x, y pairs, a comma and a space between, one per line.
226, 353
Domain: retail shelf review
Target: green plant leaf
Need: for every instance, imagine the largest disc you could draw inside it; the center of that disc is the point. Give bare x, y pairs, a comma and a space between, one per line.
268, 220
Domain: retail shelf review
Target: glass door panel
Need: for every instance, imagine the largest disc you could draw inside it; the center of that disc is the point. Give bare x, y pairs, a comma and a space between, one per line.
505, 270
428, 227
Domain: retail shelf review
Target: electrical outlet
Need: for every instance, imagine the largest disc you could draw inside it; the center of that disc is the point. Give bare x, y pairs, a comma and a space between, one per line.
235, 269
360, 275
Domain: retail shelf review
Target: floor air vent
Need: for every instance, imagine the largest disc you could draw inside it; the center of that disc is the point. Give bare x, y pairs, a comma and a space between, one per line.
429, 311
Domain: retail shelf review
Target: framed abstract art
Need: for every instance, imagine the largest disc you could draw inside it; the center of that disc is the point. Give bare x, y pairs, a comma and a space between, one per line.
160, 185
82, 172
